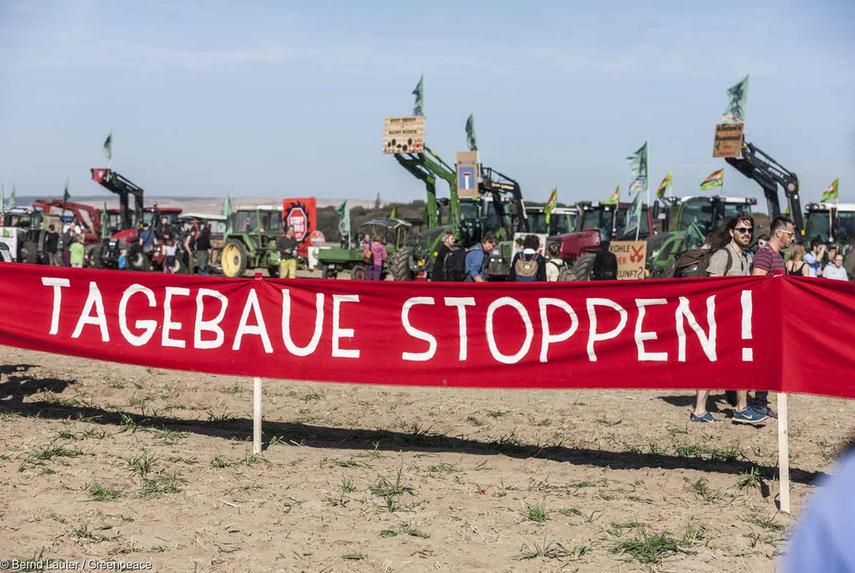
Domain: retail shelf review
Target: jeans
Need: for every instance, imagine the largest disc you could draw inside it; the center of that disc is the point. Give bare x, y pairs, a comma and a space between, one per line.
373, 273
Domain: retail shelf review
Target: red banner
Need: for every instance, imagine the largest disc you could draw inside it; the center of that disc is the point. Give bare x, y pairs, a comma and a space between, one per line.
786, 334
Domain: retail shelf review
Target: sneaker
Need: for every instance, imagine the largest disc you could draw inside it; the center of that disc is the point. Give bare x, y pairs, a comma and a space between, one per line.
749, 416
706, 417
767, 411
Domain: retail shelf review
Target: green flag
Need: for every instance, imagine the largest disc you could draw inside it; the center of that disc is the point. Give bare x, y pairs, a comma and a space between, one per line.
66, 196
343, 211
227, 212
105, 223
832, 192
713, 180
550, 205
471, 140
108, 147
615, 197
419, 92
664, 186
393, 213
13, 199
737, 99
638, 164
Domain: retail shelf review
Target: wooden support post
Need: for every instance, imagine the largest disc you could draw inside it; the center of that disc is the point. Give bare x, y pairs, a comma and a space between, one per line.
256, 415
783, 454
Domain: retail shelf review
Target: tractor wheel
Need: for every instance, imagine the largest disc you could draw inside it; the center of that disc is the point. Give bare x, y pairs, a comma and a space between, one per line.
400, 265
138, 261
357, 273
328, 273
583, 268
234, 259
29, 253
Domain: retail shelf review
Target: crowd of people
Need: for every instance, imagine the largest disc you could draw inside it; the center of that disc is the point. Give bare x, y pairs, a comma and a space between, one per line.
64, 247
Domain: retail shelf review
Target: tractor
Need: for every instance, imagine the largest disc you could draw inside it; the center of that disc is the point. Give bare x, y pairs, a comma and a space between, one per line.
22, 229
398, 237
250, 242
831, 222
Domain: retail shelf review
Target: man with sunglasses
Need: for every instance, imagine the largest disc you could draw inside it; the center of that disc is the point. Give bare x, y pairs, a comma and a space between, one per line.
768, 261
731, 261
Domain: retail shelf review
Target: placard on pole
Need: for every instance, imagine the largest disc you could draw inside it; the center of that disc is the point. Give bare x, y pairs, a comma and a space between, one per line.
467, 174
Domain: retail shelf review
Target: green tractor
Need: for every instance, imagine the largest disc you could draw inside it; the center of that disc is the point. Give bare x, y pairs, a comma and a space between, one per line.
396, 235
250, 242
686, 223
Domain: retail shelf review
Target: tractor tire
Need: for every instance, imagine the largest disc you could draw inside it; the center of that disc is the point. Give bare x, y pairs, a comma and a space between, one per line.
357, 273
234, 259
29, 253
400, 265
583, 268
327, 273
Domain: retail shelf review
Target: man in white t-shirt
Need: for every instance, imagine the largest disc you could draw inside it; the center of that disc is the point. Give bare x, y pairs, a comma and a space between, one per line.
834, 270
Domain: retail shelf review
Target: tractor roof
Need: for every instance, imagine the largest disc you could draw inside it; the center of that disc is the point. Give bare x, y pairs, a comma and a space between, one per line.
826, 206
386, 222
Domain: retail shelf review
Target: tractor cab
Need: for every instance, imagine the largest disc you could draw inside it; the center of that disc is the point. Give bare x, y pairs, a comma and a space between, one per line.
251, 241
831, 222
562, 220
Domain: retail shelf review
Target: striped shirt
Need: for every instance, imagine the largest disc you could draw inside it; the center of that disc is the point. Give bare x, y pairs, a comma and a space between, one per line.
769, 260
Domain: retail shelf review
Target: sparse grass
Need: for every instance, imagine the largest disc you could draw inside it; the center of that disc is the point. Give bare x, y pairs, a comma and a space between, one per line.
223, 462
162, 484
354, 556
442, 468
690, 450
350, 463
83, 532
312, 396
471, 419
98, 492
751, 478
127, 424
551, 550
508, 444
391, 491
52, 451
170, 437
496, 414
608, 423
650, 549
769, 524
142, 464
404, 529
537, 512
223, 416
587, 518
233, 389
345, 487
115, 383
618, 529
701, 486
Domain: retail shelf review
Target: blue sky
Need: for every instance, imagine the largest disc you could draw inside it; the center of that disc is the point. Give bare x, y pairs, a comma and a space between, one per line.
287, 98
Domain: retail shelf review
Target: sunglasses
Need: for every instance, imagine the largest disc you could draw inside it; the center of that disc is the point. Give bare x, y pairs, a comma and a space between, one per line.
744, 230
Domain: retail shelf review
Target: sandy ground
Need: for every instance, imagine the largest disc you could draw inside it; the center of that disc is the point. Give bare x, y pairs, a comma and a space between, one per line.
121, 463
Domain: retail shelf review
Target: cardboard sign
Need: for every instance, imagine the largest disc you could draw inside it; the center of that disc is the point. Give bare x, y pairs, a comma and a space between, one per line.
728, 140
404, 134
631, 257
467, 174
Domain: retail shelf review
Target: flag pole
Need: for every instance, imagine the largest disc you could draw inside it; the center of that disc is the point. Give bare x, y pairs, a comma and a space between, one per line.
783, 455
256, 415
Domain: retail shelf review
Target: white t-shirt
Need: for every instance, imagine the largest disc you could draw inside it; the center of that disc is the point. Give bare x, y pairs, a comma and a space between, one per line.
834, 273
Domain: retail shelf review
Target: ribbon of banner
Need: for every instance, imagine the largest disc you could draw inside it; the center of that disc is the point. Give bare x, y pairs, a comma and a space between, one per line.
784, 334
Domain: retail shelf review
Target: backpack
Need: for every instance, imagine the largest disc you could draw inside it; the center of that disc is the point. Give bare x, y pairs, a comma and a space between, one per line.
526, 269
558, 266
454, 265
694, 263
